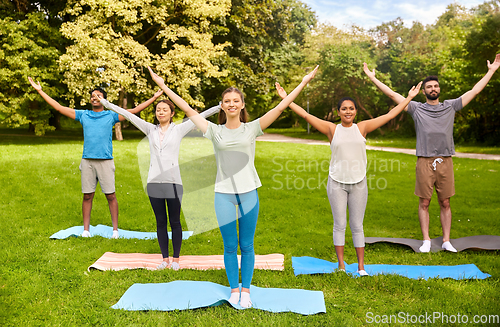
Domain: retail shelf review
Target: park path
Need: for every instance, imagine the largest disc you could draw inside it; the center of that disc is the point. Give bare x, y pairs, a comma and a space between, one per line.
287, 139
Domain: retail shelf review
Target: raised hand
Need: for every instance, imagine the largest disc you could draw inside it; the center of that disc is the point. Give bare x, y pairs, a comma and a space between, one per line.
157, 79
36, 86
414, 90
158, 93
368, 72
310, 76
495, 63
281, 91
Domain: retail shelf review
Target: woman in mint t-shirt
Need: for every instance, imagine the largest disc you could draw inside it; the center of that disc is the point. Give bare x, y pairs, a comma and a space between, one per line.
347, 186
237, 180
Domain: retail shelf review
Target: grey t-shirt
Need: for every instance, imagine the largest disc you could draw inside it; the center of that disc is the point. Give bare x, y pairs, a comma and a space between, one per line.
434, 127
235, 154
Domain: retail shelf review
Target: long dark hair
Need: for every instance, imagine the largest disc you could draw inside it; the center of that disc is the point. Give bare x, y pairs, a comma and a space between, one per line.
172, 108
243, 113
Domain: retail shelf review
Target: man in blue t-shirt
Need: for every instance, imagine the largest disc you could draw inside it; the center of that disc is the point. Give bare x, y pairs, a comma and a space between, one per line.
97, 163
434, 128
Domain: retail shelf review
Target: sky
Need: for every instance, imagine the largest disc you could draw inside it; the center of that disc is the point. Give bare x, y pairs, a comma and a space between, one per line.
371, 13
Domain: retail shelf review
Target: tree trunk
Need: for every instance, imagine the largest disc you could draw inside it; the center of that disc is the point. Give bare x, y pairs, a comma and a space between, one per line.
55, 120
367, 112
118, 131
32, 107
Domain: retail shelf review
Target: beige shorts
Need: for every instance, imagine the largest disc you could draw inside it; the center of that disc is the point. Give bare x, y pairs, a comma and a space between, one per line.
98, 170
434, 172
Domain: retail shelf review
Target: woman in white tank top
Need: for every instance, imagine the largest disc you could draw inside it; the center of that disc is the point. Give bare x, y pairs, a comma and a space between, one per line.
347, 176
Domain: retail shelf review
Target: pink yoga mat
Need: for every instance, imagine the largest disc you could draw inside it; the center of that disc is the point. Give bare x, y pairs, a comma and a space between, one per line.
121, 261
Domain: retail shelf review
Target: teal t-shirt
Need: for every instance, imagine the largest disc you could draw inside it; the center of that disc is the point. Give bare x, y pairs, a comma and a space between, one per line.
235, 154
97, 133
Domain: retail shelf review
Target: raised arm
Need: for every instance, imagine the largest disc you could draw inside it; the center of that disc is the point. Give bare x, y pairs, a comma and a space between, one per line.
367, 126
469, 95
396, 97
273, 114
188, 125
143, 105
63, 110
196, 118
142, 125
321, 125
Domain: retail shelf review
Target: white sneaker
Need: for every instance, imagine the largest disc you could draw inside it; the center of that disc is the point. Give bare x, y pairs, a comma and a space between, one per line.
426, 246
234, 298
175, 266
448, 247
86, 233
363, 273
116, 235
245, 300
163, 265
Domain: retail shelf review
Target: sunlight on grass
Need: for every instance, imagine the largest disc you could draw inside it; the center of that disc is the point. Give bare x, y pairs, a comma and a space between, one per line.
46, 282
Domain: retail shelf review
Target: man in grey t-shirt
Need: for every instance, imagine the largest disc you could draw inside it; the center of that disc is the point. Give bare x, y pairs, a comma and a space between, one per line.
434, 127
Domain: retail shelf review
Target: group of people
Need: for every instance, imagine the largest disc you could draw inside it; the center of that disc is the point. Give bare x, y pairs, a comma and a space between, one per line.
237, 181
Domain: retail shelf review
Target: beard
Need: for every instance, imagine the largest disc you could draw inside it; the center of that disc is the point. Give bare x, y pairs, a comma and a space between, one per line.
432, 96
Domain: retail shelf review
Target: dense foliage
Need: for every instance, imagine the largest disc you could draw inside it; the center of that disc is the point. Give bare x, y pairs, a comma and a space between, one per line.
203, 46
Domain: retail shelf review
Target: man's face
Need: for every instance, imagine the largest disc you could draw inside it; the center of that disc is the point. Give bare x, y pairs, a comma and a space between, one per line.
432, 90
94, 99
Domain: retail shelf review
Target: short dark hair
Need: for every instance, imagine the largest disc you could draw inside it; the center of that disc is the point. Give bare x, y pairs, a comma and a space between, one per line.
100, 89
243, 113
430, 78
346, 99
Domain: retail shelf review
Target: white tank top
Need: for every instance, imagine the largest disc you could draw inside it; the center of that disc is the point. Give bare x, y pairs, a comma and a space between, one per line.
348, 162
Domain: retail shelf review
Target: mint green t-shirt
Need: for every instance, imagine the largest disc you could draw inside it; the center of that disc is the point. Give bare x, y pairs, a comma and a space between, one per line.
235, 155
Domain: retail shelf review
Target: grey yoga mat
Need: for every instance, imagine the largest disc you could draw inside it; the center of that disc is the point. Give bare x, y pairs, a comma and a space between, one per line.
477, 242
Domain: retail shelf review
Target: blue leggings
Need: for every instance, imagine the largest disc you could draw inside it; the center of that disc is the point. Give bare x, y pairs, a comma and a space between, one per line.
248, 212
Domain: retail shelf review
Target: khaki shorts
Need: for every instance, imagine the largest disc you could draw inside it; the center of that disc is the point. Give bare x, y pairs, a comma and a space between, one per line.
434, 172
98, 170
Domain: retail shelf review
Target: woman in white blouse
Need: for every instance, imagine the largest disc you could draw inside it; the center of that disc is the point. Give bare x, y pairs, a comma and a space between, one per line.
164, 184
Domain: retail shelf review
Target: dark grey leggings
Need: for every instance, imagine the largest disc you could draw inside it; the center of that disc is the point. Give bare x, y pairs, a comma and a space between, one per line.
354, 197
163, 196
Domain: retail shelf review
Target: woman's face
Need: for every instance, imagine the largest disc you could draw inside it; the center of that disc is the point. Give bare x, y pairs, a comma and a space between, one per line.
232, 104
163, 112
347, 112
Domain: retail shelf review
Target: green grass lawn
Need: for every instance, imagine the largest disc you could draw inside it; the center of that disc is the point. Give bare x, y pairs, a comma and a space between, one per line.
46, 282
383, 140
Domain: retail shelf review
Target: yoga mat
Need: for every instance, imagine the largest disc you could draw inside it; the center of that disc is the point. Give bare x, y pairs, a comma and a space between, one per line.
185, 294
309, 265
121, 261
107, 232
477, 242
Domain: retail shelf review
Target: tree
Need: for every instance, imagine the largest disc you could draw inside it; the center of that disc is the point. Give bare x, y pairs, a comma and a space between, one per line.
115, 40
264, 36
29, 48
480, 120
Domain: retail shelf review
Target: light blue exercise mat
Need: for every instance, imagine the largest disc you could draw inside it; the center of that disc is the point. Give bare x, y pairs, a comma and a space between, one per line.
107, 232
185, 294
309, 265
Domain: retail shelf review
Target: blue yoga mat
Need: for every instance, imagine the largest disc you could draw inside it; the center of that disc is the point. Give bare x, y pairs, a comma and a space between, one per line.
185, 294
107, 232
309, 265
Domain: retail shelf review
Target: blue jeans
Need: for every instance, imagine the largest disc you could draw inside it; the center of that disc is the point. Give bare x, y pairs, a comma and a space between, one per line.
248, 212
